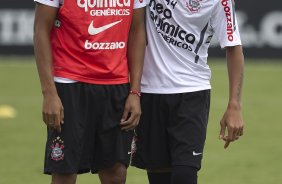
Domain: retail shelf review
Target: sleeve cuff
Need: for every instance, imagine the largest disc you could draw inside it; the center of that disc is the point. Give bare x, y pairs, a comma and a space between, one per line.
48, 3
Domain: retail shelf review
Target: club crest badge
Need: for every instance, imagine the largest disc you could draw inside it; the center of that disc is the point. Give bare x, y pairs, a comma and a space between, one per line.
193, 5
57, 147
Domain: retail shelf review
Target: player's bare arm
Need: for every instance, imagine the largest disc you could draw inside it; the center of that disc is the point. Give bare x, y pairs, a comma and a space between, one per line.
135, 54
232, 119
52, 110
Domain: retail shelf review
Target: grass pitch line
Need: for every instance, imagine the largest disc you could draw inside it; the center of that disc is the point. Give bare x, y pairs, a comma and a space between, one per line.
7, 111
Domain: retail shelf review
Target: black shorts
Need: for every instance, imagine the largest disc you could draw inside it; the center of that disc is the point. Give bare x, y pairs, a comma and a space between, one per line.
172, 130
91, 138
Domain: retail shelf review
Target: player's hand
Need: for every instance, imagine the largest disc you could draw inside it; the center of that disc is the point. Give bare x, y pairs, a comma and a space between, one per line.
131, 113
233, 122
53, 112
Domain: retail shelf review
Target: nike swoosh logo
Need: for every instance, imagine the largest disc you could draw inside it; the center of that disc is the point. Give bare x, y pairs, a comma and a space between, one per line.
95, 30
196, 154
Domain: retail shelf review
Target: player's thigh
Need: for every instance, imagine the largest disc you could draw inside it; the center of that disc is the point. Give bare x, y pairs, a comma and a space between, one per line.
112, 145
187, 128
152, 148
70, 151
114, 174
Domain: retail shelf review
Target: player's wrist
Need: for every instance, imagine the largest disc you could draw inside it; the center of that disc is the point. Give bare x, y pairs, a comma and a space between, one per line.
135, 92
234, 104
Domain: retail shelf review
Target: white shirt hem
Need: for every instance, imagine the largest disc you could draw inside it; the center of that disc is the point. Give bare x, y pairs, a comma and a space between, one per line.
174, 90
48, 3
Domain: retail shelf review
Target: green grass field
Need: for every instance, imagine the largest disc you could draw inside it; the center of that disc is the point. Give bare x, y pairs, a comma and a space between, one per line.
255, 159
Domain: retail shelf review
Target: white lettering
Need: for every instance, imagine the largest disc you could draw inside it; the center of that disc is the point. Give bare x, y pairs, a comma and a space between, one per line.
104, 45
110, 12
88, 4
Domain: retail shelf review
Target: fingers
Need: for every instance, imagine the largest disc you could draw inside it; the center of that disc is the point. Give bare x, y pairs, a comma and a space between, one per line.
57, 123
222, 136
127, 126
131, 122
62, 116
229, 138
53, 120
131, 114
45, 118
226, 144
234, 134
125, 115
222, 130
241, 132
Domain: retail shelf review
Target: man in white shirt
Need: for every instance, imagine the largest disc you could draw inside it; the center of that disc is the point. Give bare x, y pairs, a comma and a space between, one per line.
175, 86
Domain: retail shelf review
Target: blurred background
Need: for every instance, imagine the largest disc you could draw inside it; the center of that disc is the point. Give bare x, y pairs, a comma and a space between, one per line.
254, 159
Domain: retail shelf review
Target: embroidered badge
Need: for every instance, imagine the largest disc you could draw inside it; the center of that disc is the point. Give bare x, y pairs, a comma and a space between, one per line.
57, 146
193, 5
57, 23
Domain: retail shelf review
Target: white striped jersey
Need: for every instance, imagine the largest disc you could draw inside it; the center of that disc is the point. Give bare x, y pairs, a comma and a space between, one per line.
178, 36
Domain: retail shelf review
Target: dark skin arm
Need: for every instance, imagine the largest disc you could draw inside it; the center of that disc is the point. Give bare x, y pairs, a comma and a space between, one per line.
232, 119
135, 54
52, 110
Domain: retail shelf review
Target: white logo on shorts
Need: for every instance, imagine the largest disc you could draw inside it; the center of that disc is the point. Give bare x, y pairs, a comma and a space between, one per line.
196, 154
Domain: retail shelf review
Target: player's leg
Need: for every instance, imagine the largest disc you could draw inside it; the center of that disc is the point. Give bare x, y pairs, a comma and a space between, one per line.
63, 178
183, 174
68, 152
152, 149
113, 175
160, 175
112, 145
187, 134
